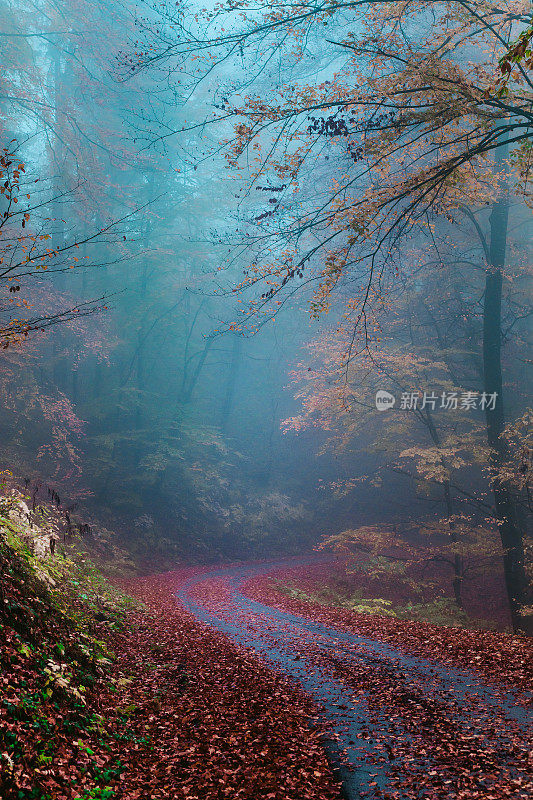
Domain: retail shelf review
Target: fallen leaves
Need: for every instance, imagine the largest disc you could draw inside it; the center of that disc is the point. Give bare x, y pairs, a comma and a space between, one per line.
184, 712
227, 726
482, 652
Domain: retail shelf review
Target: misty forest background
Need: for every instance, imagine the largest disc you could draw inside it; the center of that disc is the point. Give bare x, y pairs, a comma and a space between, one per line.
205, 284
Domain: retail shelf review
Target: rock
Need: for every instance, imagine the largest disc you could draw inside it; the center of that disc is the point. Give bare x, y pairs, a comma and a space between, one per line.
41, 545
20, 516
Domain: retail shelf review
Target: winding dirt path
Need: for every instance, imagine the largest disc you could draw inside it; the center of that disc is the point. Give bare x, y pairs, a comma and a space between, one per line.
400, 726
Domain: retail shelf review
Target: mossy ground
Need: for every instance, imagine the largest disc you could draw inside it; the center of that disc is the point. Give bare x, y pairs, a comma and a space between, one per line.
55, 616
107, 698
439, 611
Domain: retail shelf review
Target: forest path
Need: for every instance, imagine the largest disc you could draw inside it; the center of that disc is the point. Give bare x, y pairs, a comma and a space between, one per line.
396, 725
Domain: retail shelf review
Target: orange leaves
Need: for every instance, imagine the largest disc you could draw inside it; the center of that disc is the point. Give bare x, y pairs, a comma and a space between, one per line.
400, 130
226, 726
512, 65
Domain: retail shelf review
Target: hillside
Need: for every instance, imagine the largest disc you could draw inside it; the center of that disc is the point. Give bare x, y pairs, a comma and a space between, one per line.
103, 698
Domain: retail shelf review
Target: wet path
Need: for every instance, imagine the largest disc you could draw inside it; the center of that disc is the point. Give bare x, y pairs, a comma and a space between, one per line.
389, 716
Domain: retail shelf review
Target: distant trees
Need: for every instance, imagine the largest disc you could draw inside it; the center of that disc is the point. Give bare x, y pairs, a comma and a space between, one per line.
63, 121
28, 253
60, 215
368, 127
397, 130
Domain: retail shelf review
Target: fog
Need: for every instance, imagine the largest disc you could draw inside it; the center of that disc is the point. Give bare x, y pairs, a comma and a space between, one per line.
162, 406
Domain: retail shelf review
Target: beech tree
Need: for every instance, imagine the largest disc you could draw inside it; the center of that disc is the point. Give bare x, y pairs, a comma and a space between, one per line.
420, 113
429, 339
27, 253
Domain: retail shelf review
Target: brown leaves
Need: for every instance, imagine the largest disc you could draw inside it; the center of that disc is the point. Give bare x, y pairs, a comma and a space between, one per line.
481, 652
437, 733
180, 713
226, 726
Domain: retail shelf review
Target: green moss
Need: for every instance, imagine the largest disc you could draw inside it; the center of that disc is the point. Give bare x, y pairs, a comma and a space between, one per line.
441, 611
49, 616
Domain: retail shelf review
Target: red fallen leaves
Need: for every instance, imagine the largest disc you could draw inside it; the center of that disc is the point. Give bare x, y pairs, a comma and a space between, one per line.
43, 716
182, 714
500, 658
193, 717
412, 720
432, 745
218, 723
431, 739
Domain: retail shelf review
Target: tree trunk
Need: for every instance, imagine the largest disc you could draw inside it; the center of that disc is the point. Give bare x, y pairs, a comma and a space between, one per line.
507, 513
231, 381
458, 567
